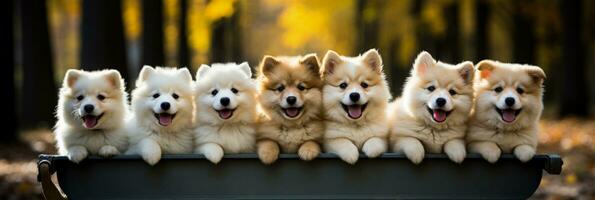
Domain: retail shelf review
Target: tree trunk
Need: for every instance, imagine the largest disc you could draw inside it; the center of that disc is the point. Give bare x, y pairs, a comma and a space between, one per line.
38, 99
103, 44
183, 56
481, 30
226, 41
152, 39
367, 28
450, 47
575, 95
523, 34
8, 85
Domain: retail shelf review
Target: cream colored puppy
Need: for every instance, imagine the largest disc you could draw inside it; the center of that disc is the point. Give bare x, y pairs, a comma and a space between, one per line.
354, 96
507, 110
226, 110
431, 115
163, 105
91, 113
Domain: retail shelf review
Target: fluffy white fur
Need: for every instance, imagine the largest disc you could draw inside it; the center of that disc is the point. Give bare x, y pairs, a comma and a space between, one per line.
225, 128
414, 129
151, 136
367, 129
489, 134
285, 127
100, 132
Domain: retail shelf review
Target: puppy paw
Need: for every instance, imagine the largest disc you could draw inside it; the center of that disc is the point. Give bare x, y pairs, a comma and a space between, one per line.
214, 155
491, 155
77, 154
455, 151
524, 152
309, 151
349, 154
151, 157
268, 156
456, 155
374, 147
415, 153
108, 151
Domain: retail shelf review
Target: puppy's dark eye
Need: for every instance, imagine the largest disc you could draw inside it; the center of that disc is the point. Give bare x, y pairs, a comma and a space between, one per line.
520, 90
156, 95
100, 97
280, 88
364, 85
498, 89
452, 92
214, 92
80, 97
343, 85
431, 88
235, 91
175, 96
301, 87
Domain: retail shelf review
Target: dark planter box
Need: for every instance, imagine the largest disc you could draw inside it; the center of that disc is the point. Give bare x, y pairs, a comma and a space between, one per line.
243, 176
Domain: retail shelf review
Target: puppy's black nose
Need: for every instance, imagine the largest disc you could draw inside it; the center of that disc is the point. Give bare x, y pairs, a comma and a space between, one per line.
89, 108
354, 97
224, 101
509, 101
291, 100
440, 102
165, 106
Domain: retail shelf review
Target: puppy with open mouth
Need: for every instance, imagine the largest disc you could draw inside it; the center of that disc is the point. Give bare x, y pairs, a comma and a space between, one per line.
163, 106
432, 113
226, 110
91, 113
290, 99
507, 110
355, 96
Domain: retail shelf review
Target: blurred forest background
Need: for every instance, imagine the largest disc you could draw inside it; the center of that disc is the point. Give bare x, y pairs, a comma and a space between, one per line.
44, 38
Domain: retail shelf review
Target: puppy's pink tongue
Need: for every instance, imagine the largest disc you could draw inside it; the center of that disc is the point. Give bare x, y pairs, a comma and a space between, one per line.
354, 111
90, 121
508, 115
165, 119
292, 112
439, 115
225, 113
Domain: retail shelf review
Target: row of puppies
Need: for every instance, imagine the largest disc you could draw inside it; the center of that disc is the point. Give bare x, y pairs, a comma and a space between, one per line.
296, 104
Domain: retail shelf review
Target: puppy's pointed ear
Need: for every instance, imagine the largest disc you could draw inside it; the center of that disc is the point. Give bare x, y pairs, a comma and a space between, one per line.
145, 73
466, 71
485, 68
536, 74
246, 69
114, 78
330, 62
311, 62
267, 64
202, 70
72, 75
373, 60
185, 74
423, 62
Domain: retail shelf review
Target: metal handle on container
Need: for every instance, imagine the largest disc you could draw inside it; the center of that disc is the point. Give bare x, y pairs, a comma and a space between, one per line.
553, 164
51, 190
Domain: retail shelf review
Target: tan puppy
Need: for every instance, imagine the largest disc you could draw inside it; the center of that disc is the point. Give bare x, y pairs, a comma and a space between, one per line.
433, 111
355, 96
290, 97
507, 110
